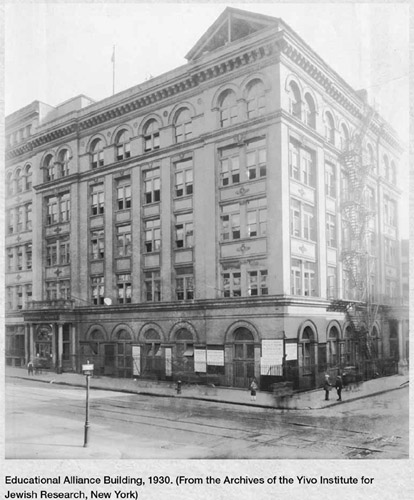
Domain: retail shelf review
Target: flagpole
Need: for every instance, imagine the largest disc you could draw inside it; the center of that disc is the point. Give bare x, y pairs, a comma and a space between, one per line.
113, 70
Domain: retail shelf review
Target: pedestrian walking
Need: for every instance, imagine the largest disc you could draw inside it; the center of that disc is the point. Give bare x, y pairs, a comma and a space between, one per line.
253, 389
338, 386
327, 387
30, 367
178, 387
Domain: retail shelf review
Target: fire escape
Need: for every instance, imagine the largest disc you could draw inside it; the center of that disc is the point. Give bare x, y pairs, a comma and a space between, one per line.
357, 302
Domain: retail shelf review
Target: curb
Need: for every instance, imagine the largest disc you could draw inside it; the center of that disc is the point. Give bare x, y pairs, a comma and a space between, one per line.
146, 393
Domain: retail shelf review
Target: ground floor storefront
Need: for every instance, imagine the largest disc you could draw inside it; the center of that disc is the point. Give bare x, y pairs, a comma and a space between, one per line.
227, 344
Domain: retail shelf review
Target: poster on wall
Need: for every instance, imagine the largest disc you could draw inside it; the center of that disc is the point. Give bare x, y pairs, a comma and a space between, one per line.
200, 364
291, 351
168, 364
272, 357
136, 360
215, 357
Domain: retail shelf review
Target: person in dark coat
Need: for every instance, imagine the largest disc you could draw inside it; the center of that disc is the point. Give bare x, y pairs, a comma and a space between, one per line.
30, 367
253, 389
327, 387
338, 386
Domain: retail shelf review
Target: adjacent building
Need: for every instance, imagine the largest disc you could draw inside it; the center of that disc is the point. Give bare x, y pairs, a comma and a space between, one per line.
236, 217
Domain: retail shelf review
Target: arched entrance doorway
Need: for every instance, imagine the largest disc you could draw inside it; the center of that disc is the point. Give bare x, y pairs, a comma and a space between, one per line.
92, 351
394, 350
183, 363
151, 355
43, 346
333, 347
243, 357
306, 354
123, 354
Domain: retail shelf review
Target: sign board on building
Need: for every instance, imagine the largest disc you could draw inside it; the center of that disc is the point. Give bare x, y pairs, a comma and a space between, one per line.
168, 361
136, 360
291, 351
200, 364
215, 357
272, 351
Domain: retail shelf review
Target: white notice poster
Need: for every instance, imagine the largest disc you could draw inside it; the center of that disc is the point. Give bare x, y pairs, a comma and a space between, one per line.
168, 365
200, 360
291, 351
136, 360
215, 357
272, 352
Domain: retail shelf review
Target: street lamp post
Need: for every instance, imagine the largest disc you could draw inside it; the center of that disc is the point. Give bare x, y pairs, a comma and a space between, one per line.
87, 370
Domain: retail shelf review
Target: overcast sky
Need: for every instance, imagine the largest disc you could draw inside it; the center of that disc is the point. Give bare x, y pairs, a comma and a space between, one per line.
55, 51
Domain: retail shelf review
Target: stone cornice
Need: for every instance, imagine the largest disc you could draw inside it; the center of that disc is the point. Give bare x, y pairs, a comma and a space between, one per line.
195, 75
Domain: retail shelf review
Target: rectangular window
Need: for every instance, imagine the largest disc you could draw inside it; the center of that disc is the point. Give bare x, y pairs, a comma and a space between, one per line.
152, 281
229, 166
232, 283
302, 220
51, 290
303, 278
124, 242
10, 220
331, 230
257, 217
294, 161
330, 180
230, 222
124, 288
64, 289
152, 184
98, 244
10, 298
256, 159
20, 218
184, 231
184, 282
51, 253
64, 252
308, 168
19, 258
389, 211
64, 207
19, 290
184, 178
97, 199
10, 259
332, 291
29, 293
123, 192
58, 209
390, 251
28, 217
152, 235
257, 281
98, 290
28, 251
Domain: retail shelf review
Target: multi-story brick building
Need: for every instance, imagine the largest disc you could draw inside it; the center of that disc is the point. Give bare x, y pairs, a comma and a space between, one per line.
203, 223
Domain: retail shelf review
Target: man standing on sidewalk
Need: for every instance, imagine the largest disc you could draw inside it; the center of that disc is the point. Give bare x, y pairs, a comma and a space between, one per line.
327, 387
338, 386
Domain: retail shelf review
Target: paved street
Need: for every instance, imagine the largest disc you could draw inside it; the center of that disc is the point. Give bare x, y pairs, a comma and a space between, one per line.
47, 421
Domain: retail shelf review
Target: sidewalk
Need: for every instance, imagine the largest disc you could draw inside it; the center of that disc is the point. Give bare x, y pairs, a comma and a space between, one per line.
303, 400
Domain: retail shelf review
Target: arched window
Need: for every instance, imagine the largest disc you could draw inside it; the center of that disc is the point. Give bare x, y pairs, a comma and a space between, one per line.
256, 101
243, 357
329, 128
370, 158
97, 153
295, 104
386, 168
28, 177
10, 184
344, 138
332, 345
393, 173
183, 125
122, 145
228, 108
19, 181
307, 353
96, 336
184, 343
151, 136
49, 167
63, 163
309, 112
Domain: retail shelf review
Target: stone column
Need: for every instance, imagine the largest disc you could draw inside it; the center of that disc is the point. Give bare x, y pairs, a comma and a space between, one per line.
31, 341
54, 345
73, 350
27, 343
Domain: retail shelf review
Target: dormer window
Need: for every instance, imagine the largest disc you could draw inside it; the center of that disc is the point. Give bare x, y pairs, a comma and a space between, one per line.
122, 145
97, 154
151, 136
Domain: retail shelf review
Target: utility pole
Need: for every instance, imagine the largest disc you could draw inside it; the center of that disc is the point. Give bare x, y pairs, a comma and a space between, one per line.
87, 370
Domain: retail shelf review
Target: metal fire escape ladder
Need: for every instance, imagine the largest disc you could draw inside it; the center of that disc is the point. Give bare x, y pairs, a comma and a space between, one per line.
355, 255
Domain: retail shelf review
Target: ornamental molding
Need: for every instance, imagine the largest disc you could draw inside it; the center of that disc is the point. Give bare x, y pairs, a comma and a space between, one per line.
194, 77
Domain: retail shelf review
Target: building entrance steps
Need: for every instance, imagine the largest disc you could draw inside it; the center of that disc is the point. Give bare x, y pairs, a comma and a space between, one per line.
300, 401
